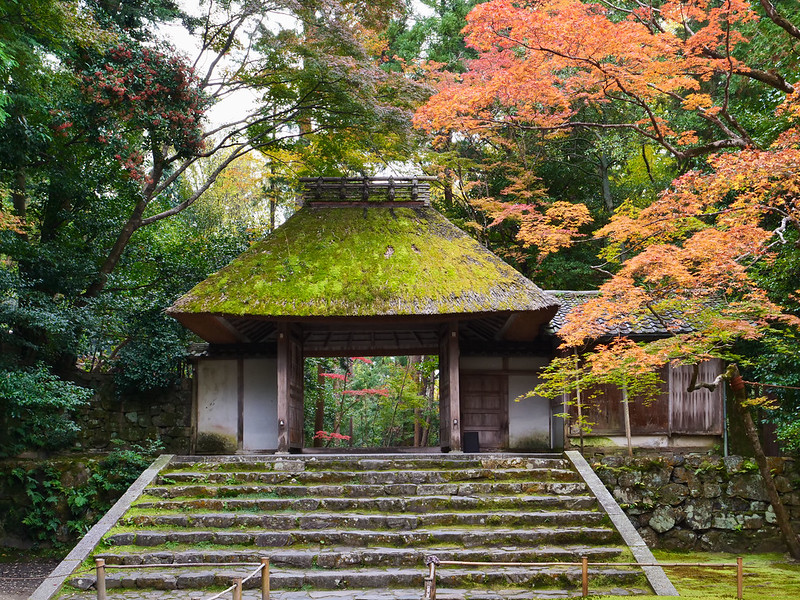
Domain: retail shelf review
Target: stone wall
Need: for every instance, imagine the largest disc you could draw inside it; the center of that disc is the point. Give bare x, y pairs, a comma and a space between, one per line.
165, 416
701, 502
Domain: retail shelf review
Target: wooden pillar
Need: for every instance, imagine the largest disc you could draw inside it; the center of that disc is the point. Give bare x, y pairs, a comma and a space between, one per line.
283, 387
454, 396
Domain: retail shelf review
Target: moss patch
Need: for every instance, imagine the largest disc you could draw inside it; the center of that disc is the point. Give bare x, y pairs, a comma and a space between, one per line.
766, 576
353, 261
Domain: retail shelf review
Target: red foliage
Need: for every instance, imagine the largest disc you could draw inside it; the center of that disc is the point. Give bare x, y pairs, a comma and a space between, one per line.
338, 376
137, 88
331, 435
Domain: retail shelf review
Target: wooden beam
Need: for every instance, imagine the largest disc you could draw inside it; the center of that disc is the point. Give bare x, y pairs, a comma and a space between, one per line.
283, 387
228, 326
453, 355
240, 402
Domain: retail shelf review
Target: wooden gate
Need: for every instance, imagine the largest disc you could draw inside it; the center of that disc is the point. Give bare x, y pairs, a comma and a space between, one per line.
484, 408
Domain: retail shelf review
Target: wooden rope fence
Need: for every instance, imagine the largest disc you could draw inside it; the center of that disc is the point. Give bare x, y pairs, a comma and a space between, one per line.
236, 586
432, 562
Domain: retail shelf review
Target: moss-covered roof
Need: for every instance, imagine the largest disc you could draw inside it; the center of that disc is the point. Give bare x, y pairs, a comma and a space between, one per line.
357, 261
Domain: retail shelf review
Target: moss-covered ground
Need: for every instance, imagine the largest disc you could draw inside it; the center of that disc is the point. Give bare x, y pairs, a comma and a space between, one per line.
766, 577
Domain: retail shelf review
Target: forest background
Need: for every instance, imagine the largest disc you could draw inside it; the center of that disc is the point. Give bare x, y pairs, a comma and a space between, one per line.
648, 150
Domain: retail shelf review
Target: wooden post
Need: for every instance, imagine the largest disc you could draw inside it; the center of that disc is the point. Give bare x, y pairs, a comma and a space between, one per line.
283, 388
453, 357
584, 576
430, 583
237, 588
100, 566
264, 578
739, 578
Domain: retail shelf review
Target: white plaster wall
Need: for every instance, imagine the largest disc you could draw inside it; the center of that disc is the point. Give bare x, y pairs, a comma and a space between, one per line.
217, 400
528, 419
527, 363
260, 404
480, 363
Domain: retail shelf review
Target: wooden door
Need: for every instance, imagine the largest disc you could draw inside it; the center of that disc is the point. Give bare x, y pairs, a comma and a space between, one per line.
484, 408
296, 413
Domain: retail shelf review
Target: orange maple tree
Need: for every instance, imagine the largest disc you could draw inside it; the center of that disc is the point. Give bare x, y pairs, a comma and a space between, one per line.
667, 70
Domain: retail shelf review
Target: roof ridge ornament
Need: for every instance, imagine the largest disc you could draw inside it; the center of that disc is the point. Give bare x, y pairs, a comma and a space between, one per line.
362, 191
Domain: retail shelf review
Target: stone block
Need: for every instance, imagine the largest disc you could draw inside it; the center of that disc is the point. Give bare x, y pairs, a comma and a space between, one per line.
151, 538
753, 522
663, 519
195, 580
782, 484
747, 485
776, 464
272, 539
733, 464
680, 475
698, 513
769, 515
673, 493
711, 489
726, 521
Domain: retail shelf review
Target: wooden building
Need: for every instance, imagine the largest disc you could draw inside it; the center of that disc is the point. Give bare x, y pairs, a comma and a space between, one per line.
676, 418
366, 267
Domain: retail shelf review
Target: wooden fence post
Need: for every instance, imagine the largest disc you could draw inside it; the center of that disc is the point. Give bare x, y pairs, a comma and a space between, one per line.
430, 583
584, 576
100, 566
237, 588
739, 578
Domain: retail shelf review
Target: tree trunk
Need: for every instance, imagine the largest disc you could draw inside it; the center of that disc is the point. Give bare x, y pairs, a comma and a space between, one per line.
117, 249
602, 167
319, 414
19, 195
133, 223
781, 515
626, 412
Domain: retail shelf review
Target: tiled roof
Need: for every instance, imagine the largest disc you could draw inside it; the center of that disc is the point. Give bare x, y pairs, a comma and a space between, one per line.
645, 325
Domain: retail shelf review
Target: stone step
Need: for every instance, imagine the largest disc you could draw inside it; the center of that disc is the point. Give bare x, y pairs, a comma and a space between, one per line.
408, 490
353, 463
470, 537
349, 521
281, 579
330, 558
368, 477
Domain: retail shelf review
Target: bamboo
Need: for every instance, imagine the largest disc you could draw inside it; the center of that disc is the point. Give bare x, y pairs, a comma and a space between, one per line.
265, 578
100, 566
584, 576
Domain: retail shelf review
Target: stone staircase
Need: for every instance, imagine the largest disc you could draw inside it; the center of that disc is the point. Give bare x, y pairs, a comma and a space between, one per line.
360, 526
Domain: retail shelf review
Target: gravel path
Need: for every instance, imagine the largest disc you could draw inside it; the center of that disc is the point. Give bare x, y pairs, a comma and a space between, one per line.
20, 578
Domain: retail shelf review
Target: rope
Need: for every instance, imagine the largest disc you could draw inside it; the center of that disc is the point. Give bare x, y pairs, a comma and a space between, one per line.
222, 593
253, 574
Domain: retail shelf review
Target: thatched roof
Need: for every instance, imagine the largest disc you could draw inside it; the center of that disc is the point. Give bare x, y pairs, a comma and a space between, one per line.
358, 261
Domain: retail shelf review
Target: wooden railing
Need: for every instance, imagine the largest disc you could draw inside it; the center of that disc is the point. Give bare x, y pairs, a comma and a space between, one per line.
237, 583
432, 562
